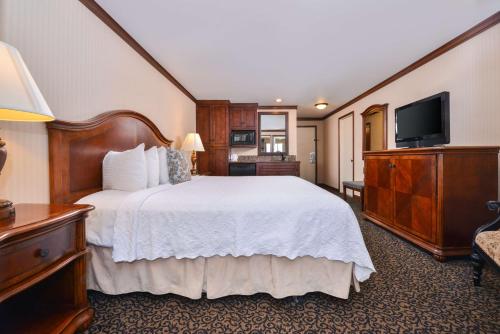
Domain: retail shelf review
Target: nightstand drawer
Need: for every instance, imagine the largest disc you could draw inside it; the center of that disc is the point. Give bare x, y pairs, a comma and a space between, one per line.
27, 257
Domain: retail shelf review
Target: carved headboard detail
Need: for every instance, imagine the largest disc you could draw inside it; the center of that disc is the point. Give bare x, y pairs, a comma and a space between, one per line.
76, 150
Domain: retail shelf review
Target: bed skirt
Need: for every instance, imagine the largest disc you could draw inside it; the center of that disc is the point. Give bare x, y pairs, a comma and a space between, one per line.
220, 276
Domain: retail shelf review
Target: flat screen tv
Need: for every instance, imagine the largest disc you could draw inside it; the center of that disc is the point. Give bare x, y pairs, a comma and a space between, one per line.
425, 122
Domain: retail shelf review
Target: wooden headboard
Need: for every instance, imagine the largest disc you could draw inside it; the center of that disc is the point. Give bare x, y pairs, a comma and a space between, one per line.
76, 150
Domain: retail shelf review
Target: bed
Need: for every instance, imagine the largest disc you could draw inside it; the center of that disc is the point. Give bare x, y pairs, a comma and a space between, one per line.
219, 235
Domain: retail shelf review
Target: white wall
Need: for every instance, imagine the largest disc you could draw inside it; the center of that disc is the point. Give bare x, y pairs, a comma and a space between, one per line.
83, 69
470, 72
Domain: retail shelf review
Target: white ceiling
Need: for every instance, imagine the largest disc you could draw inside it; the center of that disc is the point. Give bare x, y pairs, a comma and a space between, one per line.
303, 51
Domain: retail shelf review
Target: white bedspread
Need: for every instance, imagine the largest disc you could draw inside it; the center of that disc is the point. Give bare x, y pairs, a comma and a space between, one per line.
238, 216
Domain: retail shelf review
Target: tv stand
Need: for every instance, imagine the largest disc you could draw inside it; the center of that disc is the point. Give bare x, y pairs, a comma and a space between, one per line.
433, 197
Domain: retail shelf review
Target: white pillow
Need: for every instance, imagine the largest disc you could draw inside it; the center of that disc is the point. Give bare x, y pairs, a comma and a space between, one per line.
125, 170
162, 155
153, 164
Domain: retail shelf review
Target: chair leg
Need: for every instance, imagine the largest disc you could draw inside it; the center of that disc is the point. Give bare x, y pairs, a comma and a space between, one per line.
477, 265
345, 194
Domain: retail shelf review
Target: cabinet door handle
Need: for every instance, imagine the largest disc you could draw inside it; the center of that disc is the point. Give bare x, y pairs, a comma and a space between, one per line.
43, 252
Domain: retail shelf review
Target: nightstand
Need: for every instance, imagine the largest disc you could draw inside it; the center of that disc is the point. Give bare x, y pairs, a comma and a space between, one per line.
43, 270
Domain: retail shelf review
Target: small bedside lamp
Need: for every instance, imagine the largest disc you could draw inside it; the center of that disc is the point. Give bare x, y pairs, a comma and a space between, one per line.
193, 143
20, 100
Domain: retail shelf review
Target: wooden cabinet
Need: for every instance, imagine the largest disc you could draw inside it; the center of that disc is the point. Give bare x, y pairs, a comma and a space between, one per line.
278, 168
212, 123
243, 116
43, 270
433, 197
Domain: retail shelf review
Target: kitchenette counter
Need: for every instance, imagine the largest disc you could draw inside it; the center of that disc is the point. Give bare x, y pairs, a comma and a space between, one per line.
261, 168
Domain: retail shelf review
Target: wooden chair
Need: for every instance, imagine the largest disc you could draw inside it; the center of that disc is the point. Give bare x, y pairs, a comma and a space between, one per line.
486, 244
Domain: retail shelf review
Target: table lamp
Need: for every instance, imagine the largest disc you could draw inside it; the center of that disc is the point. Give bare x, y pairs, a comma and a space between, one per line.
20, 100
193, 143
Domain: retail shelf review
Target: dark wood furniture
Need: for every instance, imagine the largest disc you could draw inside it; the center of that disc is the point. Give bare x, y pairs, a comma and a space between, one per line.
212, 123
481, 253
432, 197
278, 168
43, 268
243, 116
76, 150
355, 186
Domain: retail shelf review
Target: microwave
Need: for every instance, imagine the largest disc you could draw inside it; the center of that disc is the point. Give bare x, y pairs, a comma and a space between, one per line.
243, 137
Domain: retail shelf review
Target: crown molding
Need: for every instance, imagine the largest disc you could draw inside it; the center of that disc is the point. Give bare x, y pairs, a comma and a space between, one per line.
98, 11
474, 31
309, 119
277, 107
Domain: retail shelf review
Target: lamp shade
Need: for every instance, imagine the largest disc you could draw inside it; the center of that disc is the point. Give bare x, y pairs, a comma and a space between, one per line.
20, 98
193, 143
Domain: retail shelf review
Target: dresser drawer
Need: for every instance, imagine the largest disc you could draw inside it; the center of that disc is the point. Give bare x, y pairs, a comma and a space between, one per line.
27, 257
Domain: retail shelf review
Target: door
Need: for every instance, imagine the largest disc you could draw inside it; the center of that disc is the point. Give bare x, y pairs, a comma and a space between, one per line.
236, 115
219, 165
415, 194
306, 152
346, 150
250, 118
203, 128
219, 125
379, 192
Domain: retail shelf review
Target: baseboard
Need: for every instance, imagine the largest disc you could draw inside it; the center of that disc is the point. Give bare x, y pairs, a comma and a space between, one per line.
333, 189
327, 187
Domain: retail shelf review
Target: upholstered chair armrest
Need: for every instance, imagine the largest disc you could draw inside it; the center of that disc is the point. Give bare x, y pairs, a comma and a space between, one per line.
494, 225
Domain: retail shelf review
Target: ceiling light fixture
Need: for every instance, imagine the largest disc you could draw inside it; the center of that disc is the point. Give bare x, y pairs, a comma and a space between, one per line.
279, 100
321, 105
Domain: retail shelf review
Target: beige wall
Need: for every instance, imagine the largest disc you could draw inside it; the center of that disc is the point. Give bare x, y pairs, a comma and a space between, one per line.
292, 134
83, 69
321, 146
470, 72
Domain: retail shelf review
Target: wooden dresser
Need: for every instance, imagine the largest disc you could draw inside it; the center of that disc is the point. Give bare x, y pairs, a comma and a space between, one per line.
432, 197
42, 270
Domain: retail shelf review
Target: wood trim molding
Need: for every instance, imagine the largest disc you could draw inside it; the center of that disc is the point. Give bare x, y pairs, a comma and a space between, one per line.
95, 8
328, 188
474, 31
259, 130
305, 119
277, 107
338, 144
378, 108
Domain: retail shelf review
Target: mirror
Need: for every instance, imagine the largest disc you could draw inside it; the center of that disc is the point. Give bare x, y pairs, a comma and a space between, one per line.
273, 133
374, 127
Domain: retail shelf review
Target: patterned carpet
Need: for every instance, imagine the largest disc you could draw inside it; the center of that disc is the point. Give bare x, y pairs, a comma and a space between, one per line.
410, 293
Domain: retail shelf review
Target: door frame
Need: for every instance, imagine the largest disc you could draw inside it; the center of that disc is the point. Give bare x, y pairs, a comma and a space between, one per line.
338, 145
315, 148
